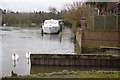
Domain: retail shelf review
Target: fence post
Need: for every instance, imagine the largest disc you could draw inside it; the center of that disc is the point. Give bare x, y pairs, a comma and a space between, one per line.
82, 31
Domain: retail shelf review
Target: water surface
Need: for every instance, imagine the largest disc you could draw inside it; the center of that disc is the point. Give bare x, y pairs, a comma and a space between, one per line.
17, 40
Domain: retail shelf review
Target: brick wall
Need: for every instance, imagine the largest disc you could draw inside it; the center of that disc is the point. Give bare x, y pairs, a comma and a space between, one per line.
100, 38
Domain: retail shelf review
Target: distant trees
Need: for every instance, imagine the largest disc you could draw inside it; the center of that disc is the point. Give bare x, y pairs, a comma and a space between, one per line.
28, 19
13, 19
53, 10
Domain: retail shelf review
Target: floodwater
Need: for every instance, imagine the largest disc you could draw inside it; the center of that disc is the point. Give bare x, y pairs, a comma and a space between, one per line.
16, 40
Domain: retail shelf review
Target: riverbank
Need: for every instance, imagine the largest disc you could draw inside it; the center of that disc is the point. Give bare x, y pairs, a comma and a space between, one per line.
73, 74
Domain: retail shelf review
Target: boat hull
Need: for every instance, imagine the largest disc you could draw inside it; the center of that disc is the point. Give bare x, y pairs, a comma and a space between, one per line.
51, 30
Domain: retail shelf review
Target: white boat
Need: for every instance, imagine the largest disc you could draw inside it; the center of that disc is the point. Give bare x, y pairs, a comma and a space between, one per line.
51, 26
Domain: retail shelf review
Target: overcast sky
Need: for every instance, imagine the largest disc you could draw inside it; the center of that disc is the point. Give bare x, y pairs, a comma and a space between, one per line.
33, 5
37, 5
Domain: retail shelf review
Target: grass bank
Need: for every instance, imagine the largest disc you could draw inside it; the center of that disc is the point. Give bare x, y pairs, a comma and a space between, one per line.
74, 74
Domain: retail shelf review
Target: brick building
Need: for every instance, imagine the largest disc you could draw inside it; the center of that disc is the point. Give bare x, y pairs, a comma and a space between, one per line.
113, 7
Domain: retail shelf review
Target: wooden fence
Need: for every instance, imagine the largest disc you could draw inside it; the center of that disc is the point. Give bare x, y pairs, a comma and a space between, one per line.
103, 23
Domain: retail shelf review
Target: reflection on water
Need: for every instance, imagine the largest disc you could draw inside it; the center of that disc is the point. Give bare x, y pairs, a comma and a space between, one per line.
14, 63
16, 40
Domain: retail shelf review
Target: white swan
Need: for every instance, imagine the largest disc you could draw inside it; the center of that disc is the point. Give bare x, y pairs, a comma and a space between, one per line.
15, 57
27, 55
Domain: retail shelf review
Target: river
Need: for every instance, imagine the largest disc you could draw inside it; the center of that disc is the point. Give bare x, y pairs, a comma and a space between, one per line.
17, 40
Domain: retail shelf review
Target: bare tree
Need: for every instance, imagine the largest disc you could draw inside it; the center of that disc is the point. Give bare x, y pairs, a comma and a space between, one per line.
75, 11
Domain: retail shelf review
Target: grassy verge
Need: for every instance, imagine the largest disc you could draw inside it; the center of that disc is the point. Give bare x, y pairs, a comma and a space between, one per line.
74, 74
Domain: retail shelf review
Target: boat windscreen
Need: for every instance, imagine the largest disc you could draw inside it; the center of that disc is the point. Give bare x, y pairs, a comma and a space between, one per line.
51, 22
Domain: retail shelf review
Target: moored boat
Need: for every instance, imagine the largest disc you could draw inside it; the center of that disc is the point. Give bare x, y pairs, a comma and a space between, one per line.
51, 26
